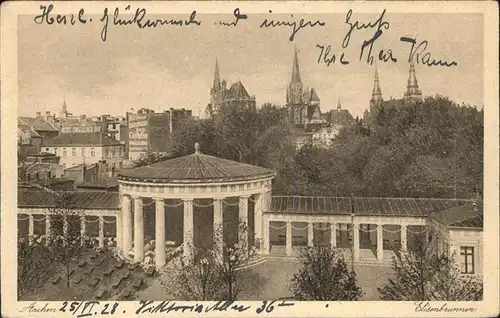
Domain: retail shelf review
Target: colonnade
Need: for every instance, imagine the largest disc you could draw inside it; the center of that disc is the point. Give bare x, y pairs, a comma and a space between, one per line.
126, 232
333, 226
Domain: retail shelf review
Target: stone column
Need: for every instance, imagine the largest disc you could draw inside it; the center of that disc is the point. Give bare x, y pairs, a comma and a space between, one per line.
31, 225
83, 225
380, 242
47, 225
119, 236
218, 228
101, 231
65, 224
243, 215
289, 244
138, 230
310, 234
265, 237
355, 238
403, 237
160, 232
188, 231
126, 225
258, 217
333, 235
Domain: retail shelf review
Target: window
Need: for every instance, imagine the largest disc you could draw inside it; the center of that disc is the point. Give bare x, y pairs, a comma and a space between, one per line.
113, 153
120, 151
106, 153
73, 152
467, 259
46, 149
83, 151
55, 151
65, 152
92, 152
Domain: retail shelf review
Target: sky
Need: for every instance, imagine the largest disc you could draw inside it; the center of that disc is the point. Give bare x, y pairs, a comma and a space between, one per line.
173, 66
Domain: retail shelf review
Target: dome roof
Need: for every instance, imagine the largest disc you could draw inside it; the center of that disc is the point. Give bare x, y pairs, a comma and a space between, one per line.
196, 168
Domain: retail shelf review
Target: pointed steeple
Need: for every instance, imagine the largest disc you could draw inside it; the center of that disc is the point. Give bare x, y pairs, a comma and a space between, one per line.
216, 86
295, 70
377, 92
64, 106
412, 90
339, 107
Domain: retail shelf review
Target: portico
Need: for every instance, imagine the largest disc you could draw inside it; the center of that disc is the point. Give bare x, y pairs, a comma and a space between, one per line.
188, 179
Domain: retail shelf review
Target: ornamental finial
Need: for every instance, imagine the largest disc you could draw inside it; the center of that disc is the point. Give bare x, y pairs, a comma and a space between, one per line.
196, 147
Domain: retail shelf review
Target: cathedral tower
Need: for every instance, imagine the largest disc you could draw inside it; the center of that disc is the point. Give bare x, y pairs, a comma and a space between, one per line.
377, 98
295, 89
413, 92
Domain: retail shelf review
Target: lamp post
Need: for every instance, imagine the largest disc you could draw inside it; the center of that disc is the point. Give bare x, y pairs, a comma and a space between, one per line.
352, 227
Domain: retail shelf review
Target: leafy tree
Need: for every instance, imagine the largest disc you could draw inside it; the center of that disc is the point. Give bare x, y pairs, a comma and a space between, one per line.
65, 242
35, 265
423, 275
324, 276
150, 158
217, 273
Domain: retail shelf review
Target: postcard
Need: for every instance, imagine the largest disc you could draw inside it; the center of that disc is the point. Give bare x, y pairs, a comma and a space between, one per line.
246, 159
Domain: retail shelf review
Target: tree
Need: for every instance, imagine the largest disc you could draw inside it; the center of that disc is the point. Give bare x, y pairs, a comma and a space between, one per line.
35, 265
213, 275
65, 242
324, 276
150, 158
424, 275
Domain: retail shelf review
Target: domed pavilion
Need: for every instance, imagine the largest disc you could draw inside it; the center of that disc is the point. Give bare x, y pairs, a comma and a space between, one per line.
186, 179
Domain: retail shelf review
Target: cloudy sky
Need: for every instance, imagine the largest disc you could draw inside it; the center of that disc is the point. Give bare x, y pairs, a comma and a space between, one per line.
173, 66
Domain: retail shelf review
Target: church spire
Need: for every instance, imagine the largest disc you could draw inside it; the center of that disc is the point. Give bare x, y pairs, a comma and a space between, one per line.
216, 86
412, 90
377, 92
295, 70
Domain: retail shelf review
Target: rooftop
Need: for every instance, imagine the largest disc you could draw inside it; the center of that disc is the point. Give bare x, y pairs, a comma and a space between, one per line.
36, 123
82, 139
81, 199
196, 168
363, 205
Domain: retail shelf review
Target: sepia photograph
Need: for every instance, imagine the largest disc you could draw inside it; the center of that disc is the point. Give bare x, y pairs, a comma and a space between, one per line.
245, 154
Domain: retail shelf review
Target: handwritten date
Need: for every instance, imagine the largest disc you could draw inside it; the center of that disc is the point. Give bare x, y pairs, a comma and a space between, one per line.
82, 309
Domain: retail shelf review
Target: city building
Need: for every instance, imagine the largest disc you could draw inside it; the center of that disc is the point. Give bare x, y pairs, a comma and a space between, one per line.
151, 132
303, 104
234, 97
340, 116
32, 132
412, 94
85, 148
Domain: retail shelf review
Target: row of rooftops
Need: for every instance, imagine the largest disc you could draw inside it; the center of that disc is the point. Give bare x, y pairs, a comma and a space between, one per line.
450, 212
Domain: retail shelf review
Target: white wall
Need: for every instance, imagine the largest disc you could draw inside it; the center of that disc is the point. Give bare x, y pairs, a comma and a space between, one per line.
71, 160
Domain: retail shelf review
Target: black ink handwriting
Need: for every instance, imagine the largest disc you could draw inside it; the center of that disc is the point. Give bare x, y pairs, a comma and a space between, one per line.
296, 27
46, 17
379, 23
422, 56
325, 57
237, 15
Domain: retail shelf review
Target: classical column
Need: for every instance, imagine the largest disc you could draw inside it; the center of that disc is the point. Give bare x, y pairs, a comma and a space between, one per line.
333, 235
218, 229
403, 237
310, 234
380, 242
243, 215
188, 230
258, 217
101, 231
31, 225
138, 230
289, 243
119, 228
160, 232
355, 238
265, 237
65, 224
82, 228
47, 225
126, 225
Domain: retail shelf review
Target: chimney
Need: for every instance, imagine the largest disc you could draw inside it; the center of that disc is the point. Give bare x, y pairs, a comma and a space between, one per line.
38, 114
47, 114
27, 177
37, 174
